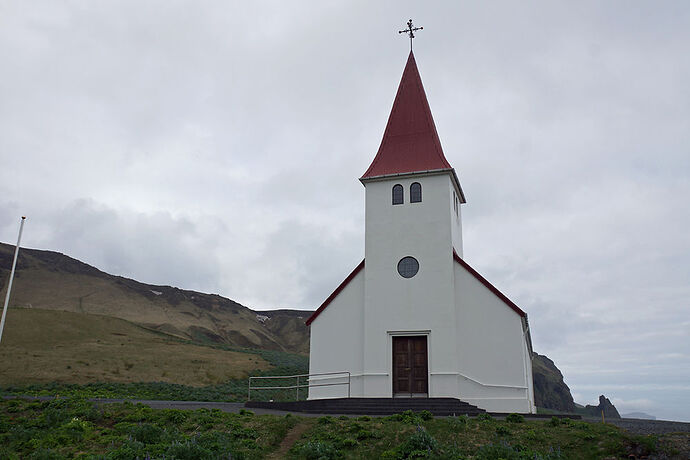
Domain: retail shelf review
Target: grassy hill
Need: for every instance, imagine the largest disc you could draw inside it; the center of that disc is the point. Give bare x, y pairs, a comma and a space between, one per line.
43, 346
53, 281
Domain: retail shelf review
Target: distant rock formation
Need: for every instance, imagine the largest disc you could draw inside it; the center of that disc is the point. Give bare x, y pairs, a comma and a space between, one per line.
550, 391
604, 406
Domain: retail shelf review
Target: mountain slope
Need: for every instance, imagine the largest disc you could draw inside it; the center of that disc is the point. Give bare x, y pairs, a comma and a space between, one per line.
51, 280
44, 346
550, 391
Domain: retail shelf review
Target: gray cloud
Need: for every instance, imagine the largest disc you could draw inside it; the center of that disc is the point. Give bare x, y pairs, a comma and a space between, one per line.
217, 147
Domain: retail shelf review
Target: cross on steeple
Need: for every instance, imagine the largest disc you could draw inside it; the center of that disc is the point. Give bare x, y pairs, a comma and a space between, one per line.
410, 31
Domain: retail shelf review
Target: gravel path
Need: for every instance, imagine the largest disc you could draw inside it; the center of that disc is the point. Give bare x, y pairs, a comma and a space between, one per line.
639, 426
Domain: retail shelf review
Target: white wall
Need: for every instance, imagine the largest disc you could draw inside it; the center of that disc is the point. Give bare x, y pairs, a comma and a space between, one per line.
336, 342
495, 372
396, 305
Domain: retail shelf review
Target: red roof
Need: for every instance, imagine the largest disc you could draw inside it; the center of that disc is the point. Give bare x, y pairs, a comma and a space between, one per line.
456, 257
410, 142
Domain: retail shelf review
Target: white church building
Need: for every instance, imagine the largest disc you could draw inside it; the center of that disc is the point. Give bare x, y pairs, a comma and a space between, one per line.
414, 319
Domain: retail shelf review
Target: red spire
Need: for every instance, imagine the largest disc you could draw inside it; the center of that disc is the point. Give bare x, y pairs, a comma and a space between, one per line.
410, 142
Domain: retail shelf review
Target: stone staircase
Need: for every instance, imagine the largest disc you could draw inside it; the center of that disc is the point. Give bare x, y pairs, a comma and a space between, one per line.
372, 406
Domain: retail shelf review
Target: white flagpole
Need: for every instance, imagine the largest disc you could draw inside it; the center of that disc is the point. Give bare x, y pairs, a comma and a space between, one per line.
9, 286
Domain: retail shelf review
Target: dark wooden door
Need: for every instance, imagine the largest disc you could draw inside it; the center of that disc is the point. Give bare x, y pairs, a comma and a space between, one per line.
410, 375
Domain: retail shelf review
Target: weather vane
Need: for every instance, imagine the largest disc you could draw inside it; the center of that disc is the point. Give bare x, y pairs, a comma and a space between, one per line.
410, 31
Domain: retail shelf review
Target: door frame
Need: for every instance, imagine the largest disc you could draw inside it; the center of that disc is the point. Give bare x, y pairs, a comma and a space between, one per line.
416, 333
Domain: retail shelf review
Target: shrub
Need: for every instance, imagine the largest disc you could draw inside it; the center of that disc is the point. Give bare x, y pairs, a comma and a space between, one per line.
174, 415
327, 420
485, 417
420, 444
426, 415
410, 417
127, 451
531, 435
146, 433
458, 423
75, 429
44, 454
555, 421
317, 450
246, 412
189, 450
515, 418
499, 451
502, 430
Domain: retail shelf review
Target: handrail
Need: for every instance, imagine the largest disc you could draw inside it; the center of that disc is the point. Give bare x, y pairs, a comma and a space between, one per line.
298, 385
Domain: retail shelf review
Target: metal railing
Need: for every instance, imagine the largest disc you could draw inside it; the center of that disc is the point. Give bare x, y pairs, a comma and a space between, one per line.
297, 384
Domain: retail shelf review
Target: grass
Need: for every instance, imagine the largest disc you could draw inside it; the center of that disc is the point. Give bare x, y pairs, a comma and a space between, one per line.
411, 436
104, 357
83, 348
75, 428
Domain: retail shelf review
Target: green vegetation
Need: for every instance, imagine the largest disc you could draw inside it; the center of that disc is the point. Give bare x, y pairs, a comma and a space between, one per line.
85, 348
410, 435
75, 428
232, 390
67, 428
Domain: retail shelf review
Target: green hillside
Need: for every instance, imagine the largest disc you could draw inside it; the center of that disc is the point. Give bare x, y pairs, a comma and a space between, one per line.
41, 346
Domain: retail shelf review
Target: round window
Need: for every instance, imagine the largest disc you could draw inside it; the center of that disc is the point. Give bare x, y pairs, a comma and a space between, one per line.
408, 267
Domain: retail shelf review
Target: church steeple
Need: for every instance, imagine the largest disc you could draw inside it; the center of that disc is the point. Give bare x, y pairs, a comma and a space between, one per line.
410, 142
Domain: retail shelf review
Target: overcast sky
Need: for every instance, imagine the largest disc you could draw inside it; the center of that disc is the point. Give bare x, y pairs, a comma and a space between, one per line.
216, 146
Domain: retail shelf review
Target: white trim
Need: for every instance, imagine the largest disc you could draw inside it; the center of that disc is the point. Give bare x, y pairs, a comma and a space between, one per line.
404, 333
491, 384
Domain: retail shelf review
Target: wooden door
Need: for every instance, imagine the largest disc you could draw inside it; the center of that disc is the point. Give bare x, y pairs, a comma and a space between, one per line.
410, 374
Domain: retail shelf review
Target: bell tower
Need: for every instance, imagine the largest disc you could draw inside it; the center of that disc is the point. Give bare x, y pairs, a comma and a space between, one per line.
413, 195
412, 227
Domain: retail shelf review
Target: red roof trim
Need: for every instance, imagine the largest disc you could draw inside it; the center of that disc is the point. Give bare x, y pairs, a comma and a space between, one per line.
488, 285
335, 293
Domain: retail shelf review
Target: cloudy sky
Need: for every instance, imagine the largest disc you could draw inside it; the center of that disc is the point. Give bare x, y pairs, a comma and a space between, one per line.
216, 146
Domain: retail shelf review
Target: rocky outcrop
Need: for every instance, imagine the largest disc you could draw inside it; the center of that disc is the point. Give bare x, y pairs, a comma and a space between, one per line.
550, 391
604, 406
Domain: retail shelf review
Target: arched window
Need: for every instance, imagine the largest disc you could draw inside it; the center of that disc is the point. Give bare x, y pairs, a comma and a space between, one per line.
416, 192
397, 194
